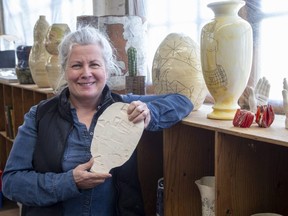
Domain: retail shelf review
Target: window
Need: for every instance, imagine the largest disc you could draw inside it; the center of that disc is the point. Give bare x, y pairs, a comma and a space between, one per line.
20, 16
167, 16
268, 20
273, 44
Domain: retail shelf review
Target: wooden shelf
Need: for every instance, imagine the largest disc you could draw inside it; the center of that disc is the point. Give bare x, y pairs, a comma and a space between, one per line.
20, 98
249, 164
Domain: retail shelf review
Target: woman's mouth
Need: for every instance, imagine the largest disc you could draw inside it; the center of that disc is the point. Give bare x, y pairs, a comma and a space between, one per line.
86, 84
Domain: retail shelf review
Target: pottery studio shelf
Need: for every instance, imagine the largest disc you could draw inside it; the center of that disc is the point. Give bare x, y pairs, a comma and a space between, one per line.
249, 164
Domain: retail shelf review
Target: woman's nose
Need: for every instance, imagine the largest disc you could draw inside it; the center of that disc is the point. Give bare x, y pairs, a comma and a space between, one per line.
86, 71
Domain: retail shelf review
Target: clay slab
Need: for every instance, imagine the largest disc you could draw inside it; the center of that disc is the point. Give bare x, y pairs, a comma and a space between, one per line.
115, 138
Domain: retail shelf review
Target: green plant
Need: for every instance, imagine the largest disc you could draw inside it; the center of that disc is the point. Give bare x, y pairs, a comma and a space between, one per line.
132, 61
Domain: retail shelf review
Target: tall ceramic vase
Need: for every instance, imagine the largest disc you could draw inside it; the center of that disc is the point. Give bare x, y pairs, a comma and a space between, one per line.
38, 54
206, 186
55, 34
226, 57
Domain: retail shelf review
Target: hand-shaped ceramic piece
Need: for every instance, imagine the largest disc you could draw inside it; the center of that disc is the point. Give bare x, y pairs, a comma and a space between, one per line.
260, 95
115, 138
285, 101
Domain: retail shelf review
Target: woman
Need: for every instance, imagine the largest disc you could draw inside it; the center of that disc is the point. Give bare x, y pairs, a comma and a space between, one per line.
48, 167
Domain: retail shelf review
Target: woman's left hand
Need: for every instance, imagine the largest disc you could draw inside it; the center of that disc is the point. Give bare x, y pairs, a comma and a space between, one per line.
138, 111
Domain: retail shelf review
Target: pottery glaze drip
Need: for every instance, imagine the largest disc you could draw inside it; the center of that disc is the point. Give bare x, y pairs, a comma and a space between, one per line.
226, 57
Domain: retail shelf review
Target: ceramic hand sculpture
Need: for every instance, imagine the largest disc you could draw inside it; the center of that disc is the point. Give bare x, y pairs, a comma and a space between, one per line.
260, 95
285, 101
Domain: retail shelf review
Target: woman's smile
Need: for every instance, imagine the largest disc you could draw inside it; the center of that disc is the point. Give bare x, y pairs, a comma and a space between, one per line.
86, 83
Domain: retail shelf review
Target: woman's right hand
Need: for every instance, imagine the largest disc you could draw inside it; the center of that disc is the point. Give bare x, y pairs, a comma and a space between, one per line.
85, 179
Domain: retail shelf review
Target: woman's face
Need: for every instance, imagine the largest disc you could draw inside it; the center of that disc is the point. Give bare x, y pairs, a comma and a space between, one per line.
86, 72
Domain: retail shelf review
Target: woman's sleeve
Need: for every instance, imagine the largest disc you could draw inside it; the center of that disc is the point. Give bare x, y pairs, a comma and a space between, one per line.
21, 183
166, 110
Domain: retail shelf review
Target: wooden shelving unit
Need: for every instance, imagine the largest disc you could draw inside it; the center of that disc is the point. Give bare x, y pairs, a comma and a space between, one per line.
250, 166
20, 98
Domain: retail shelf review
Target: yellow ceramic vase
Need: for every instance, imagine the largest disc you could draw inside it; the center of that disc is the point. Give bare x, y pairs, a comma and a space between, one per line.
226, 57
54, 36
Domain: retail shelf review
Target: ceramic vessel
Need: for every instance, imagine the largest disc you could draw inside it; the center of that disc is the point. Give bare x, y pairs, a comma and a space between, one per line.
22, 68
226, 57
177, 69
38, 54
54, 36
206, 186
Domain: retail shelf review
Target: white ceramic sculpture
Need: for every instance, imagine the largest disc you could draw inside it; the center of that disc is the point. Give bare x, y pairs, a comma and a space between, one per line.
115, 138
260, 95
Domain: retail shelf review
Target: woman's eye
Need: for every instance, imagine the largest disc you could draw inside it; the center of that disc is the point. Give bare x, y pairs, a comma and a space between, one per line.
95, 65
76, 66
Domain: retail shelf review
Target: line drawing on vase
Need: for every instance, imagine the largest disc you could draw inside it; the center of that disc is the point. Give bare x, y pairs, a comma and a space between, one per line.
163, 70
215, 74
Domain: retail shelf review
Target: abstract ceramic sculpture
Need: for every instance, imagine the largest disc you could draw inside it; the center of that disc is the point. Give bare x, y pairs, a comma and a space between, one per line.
253, 96
54, 36
38, 54
177, 68
226, 57
115, 138
260, 95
